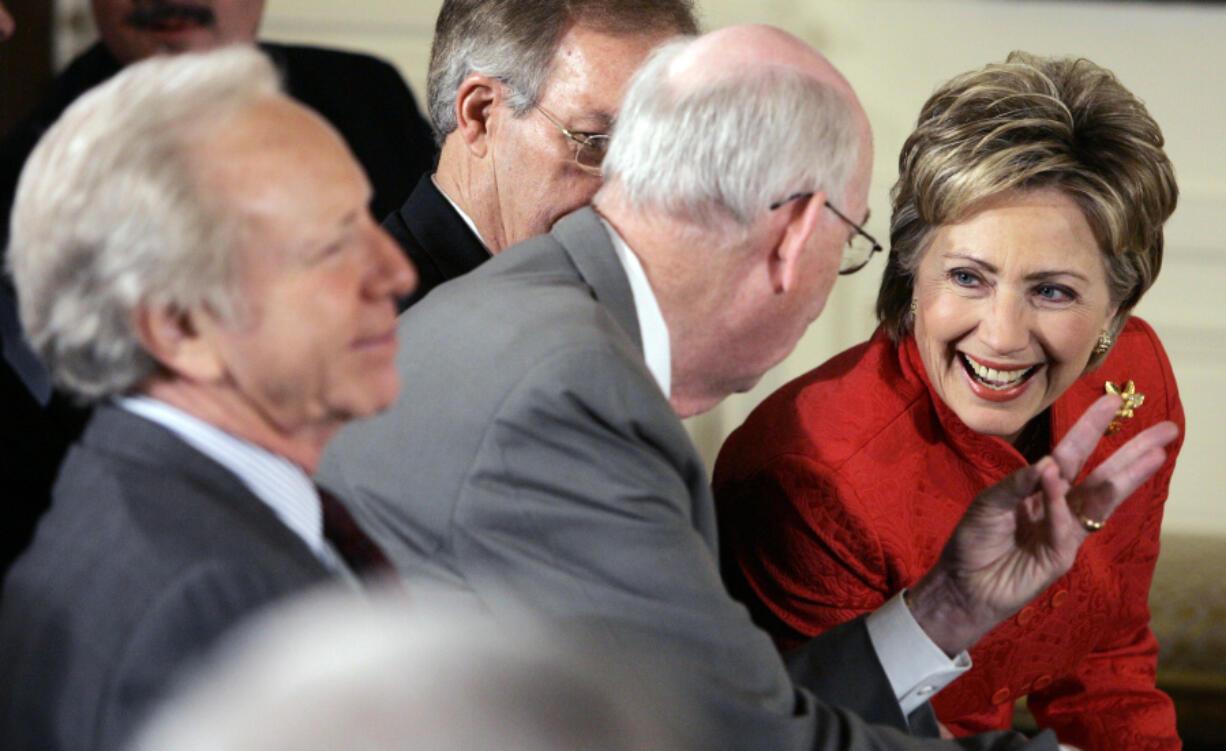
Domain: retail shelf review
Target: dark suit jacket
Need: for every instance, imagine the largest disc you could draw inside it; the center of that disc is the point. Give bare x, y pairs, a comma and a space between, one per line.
533, 463
435, 238
33, 438
149, 552
362, 96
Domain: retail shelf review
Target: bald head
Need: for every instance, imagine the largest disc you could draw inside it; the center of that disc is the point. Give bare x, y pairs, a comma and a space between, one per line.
735, 49
714, 135
716, 129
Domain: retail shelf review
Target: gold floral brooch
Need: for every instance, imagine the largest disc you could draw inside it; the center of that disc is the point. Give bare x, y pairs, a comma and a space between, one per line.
1132, 402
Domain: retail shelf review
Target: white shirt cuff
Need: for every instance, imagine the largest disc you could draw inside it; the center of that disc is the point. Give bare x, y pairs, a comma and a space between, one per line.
916, 667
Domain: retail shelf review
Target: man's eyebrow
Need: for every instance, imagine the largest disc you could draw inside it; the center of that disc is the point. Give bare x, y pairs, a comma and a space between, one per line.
604, 120
334, 233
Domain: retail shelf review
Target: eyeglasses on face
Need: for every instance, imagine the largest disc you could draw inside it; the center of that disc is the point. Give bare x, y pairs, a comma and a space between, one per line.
589, 148
860, 246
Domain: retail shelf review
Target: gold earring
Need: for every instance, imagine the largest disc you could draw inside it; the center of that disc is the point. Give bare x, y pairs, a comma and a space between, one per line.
1103, 344
914, 305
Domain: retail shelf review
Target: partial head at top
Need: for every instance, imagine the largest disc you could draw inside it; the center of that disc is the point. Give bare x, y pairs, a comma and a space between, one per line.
135, 29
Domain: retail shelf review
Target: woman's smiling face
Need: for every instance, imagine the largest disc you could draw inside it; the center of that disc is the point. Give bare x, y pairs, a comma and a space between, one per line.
1010, 305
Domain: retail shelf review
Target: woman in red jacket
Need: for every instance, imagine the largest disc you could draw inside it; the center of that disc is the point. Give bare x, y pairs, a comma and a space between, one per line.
1027, 223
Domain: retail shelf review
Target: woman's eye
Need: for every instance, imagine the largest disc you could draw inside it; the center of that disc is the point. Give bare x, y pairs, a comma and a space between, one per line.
963, 278
1054, 293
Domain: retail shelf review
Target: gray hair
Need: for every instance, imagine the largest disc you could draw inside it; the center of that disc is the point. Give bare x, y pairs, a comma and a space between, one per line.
514, 41
109, 215
724, 150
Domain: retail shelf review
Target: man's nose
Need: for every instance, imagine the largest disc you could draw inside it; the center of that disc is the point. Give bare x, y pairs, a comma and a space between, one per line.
392, 274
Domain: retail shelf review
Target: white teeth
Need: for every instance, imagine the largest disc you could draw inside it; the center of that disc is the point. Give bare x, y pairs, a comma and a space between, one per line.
993, 378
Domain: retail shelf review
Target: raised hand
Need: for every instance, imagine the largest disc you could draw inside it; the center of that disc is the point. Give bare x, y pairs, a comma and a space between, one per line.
1023, 533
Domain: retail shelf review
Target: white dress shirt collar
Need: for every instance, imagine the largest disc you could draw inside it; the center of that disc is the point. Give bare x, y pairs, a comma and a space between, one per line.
652, 328
282, 485
467, 219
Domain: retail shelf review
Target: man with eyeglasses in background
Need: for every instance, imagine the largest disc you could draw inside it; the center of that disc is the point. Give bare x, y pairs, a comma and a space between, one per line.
521, 95
535, 460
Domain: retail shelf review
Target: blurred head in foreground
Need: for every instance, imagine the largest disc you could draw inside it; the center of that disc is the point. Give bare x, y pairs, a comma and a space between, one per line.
338, 670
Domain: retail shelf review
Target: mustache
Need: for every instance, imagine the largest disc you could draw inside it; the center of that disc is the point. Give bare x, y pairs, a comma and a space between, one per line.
150, 15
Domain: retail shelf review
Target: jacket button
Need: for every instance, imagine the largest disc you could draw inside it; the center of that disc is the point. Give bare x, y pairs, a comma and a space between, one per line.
1026, 615
1042, 682
1001, 696
1058, 598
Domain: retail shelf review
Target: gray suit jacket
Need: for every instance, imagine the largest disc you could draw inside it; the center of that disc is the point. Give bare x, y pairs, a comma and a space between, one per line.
150, 551
532, 462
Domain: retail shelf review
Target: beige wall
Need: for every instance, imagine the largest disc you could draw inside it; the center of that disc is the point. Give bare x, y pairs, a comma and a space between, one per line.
896, 52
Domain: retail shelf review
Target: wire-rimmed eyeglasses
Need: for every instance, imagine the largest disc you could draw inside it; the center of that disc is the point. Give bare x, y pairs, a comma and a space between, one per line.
860, 246
590, 148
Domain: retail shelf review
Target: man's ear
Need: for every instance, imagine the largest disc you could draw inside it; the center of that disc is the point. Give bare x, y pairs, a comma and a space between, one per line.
801, 219
474, 102
180, 341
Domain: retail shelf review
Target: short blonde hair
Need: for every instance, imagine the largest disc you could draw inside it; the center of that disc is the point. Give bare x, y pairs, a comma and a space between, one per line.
1031, 123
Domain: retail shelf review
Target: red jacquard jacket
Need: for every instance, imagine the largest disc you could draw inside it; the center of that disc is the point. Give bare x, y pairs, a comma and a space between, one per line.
843, 486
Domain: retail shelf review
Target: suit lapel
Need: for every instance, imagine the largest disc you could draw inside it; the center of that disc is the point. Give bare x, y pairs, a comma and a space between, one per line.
159, 451
587, 243
441, 231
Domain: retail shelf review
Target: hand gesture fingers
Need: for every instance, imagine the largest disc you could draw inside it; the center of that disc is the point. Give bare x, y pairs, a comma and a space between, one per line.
1077, 445
1122, 473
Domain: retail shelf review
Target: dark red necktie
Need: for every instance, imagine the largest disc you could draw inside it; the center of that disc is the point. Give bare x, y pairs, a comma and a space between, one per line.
359, 551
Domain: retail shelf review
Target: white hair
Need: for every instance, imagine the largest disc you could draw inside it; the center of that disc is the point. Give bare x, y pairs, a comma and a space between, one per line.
109, 214
342, 669
724, 150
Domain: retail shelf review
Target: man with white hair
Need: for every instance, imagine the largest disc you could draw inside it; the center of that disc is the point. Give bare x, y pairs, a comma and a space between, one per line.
522, 94
537, 460
192, 251
363, 97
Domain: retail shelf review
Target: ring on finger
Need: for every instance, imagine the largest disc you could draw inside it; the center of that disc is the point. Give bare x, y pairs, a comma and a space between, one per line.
1090, 525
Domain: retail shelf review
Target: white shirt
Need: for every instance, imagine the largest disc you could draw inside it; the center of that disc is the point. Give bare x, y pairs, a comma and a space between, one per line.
915, 666
468, 220
652, 328
282, 485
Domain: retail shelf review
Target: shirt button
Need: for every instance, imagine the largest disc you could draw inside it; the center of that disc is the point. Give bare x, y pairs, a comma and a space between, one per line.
925, 690
1026, 615
1058, 598
1001, 696
1042, 682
